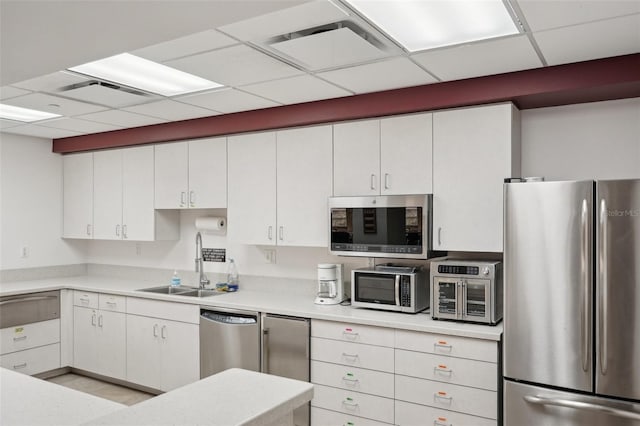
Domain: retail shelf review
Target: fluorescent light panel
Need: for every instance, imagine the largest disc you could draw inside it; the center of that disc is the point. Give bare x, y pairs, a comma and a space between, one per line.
10, 112
139, 73
427, 24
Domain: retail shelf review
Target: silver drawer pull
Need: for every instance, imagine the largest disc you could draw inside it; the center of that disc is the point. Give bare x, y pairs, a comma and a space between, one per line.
84, 300
441, 421
441, 344
19, 339
349, 334
352, 356
111, 303
442, 396
348, 402
442, 369
20, 366
349, 378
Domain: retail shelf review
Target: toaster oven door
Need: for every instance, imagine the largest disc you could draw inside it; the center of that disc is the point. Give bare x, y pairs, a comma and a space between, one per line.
447, 300
477, 301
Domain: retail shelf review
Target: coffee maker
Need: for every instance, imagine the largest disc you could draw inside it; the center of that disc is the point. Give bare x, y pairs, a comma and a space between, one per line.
330, 284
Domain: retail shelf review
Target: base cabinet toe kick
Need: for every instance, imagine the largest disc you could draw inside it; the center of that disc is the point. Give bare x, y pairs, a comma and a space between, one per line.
367, 375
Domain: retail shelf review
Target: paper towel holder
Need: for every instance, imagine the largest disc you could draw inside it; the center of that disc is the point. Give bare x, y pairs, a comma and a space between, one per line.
211, 224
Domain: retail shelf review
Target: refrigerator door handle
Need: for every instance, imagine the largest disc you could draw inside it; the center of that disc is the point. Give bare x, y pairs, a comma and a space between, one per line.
580, 405
584, 265
602, 296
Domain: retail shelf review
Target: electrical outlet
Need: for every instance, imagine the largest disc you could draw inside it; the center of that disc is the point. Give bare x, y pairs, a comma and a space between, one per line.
24, 252
270, 255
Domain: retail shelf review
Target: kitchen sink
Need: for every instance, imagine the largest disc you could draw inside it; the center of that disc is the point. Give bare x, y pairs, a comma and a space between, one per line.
181, 291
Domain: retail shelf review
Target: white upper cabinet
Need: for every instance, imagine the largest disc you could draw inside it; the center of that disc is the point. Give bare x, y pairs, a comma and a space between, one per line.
279, 184
475, 149
78, 195
392, 156
191, 174
123, 197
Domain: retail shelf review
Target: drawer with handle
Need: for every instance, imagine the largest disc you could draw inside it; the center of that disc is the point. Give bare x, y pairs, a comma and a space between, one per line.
322, 417
33, 361
352, 378
461, 347
111, 302
460, 371
86, 299
17, 338
408, 414
477, 402
353, 403
354, 333
352, 354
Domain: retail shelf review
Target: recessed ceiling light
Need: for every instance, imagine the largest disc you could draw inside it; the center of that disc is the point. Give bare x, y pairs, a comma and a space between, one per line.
427, 24
15, 113
146, 75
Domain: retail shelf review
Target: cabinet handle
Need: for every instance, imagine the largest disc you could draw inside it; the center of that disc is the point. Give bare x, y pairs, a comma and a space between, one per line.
117, 230
386, 181
349, 334
270, 233
349, 378
93, 319
349, 403
19, 339
353, 357
88, 229
265, 350
442, 344
373, 181
124, 232
100, 321
442, 396
183, 198
281, 232
192, 198
442, 369
163, 332
441, 421
439, 236
111, 303
84, 300
155, 330
20, 366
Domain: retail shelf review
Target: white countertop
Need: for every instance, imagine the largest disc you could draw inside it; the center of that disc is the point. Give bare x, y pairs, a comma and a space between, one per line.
25, 400
232, 397
280, 302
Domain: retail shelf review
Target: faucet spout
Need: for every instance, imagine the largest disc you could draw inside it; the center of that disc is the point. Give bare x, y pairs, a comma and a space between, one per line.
203, 280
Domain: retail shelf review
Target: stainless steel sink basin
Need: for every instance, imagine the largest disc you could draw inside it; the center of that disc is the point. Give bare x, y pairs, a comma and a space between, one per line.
181, 291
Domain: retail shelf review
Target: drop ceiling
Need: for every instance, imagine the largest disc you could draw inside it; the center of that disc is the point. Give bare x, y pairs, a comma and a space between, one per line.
266, 53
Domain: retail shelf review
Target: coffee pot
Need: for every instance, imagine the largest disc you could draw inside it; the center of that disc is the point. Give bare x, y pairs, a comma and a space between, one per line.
330, 284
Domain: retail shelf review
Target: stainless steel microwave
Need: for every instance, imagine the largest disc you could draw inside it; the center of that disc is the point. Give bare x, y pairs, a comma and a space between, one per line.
469, 291
395, 226
391, 288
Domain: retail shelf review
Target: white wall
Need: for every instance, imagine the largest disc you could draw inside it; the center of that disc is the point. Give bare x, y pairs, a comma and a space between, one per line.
31, 205
599, 140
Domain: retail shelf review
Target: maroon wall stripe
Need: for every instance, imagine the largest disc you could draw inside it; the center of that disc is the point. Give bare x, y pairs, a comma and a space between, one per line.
602, 79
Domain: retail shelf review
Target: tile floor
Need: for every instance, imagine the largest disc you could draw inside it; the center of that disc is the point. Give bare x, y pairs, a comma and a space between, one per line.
105, 390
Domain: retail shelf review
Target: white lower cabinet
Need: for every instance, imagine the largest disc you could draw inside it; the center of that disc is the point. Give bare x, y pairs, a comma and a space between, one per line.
401, 377
31, 348
33, 361
162, 354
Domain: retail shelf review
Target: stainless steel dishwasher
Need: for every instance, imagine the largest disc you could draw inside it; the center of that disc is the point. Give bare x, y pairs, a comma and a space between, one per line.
229, 338
285, 353
29, 308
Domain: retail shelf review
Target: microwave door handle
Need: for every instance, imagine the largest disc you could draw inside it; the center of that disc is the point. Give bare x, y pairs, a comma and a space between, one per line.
397, 287
462, 300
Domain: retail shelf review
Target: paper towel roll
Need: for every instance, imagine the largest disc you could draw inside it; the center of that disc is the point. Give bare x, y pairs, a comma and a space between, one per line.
211, 224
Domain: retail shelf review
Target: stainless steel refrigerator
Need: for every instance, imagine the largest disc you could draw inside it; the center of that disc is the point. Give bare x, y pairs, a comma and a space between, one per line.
572, 303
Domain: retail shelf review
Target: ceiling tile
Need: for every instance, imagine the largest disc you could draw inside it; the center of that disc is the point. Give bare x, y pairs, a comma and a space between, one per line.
54, 104
7, 92
77, 125
292, 19
51, 82
483, 58
612, 37
303, 88
228, 100
391, 74
170, 110
5, 124
108, 95
542, 15
235, 66
122, 118
185, 46
41, 132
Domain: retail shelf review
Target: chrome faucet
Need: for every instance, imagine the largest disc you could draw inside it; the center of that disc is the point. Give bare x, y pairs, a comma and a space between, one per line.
199, 268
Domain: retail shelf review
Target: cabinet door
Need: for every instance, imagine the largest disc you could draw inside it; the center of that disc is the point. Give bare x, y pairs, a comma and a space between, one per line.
406, 158
356, 158
85, 348
112, 355
143, 351
180, 349
171, 185
252, 195
304, 185
208, 173
474, 151
107, 194
137, 194
78, 195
